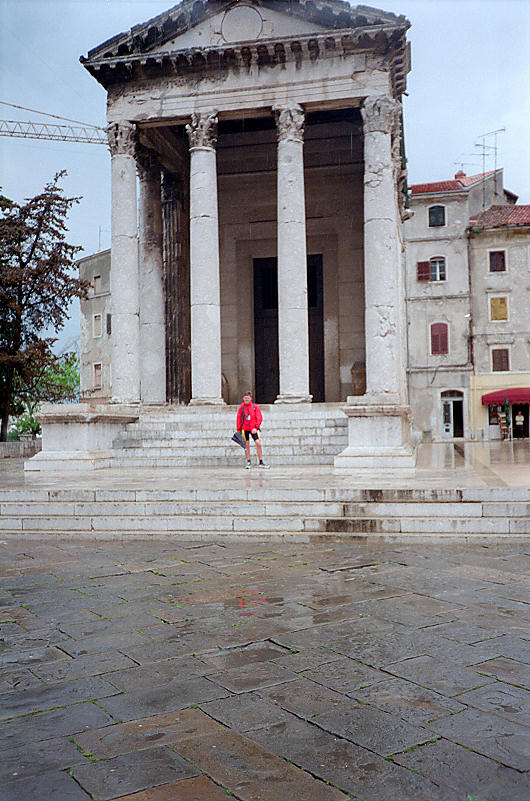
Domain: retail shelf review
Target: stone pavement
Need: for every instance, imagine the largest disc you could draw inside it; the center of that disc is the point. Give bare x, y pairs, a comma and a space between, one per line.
155, 671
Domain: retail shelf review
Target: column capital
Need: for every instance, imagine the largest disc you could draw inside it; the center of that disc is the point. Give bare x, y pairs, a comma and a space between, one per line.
380, 113
122, 138
202, 130
290, 121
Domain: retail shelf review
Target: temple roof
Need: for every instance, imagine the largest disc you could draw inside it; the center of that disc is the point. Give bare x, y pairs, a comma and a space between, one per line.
200, 34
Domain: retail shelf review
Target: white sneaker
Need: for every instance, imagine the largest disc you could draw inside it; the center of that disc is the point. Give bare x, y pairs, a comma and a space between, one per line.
264, 466
248, 465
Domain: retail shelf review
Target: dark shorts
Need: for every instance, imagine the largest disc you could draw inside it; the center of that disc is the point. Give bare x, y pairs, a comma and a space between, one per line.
248, 434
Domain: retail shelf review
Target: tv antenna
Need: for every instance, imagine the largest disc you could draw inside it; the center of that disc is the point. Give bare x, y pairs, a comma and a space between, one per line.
484, 147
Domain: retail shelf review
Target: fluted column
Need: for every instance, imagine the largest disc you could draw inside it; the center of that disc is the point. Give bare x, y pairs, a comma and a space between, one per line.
125, 358
152, 302
204, 262
293, 325
384, 290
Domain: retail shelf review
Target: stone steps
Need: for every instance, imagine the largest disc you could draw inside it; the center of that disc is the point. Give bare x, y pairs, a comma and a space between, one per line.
196, 436
239, 513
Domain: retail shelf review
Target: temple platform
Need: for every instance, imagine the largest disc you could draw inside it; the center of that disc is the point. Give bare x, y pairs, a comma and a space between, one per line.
458, 490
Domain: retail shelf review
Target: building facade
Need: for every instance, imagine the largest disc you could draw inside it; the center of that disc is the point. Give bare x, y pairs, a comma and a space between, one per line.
96, 328
439, 305
257, 206
499, 256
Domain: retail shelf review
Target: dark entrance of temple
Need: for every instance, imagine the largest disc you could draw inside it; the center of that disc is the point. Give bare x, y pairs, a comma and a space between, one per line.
267, 383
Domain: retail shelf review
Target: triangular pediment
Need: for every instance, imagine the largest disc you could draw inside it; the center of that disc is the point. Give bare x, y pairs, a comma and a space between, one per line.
220, 23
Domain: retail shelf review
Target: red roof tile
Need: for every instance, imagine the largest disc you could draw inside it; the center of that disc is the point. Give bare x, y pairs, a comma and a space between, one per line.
497, 216
460, 182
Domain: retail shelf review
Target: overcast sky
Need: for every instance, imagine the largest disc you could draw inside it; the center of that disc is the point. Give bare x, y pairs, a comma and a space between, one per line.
470, 75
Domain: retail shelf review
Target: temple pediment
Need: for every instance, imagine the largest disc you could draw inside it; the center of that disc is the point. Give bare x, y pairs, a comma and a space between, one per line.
221, 23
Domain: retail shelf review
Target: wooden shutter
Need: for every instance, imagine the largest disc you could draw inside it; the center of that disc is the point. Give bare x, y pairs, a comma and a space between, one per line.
439, 338
424, 270
500, 360
497, 261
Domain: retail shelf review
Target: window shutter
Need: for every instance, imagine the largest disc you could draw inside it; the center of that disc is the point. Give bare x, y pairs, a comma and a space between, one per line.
439, 338
500, 360
424, 270
497, 261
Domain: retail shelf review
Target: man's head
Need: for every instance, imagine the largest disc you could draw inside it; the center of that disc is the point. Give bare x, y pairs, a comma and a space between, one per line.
247, 397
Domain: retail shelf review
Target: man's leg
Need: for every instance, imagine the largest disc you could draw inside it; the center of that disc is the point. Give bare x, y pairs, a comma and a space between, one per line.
247, 447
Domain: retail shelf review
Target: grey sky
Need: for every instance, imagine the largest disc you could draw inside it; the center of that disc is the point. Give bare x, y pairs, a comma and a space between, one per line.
470, 75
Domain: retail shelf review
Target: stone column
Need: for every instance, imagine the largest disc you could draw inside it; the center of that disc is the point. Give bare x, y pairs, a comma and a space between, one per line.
379, 433
384, 298
152, 301
125, 359
204, 262
293, 324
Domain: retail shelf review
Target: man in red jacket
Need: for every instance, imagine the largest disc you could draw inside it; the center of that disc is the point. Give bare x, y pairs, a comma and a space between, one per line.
248, 422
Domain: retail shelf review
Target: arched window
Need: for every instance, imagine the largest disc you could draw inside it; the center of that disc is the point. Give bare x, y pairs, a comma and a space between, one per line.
436, 216
439, 338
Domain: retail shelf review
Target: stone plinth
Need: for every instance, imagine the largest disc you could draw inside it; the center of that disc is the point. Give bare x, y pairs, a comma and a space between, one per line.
79, 435
378, 435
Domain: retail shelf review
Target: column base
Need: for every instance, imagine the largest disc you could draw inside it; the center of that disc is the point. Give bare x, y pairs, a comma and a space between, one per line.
207, 402
294, 399
379, 436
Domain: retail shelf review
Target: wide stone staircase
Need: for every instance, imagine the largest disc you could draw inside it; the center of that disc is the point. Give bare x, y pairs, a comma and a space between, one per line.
254, 510
201, 436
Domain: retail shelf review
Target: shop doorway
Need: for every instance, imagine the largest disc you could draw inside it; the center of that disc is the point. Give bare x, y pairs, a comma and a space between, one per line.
452, 413
520, 412
267, 378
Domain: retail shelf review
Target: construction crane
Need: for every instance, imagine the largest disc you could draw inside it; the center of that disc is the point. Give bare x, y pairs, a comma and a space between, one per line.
78, 132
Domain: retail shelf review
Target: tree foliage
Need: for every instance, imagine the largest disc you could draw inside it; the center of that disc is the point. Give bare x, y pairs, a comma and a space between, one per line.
37, 283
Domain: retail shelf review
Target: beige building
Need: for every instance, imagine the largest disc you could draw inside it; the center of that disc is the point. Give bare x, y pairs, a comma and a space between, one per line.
499, 254
262, 243
95, 327
439, 307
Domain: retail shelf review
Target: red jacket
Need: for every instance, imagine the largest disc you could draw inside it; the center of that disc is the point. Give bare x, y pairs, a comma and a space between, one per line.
248, 417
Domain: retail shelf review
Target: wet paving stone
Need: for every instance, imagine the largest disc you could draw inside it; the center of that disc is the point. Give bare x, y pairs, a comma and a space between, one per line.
354, 769
46, 696
145, 733
441, 676
508, 670
244, 712
251, 677
199, 788
127, 774
52, 785
345, 675
489, 735
33, 758
161, 695
512, 703
167, 698
158, 673
251, 772
47, 725
409, 701
472, 775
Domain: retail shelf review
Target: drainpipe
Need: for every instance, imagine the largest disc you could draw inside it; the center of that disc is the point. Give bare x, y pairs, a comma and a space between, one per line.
471, 345
406, 305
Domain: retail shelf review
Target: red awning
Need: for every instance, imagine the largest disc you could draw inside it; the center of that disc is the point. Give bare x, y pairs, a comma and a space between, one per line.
517, 395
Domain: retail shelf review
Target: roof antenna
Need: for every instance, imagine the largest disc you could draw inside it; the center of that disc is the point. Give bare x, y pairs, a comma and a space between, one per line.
485, 147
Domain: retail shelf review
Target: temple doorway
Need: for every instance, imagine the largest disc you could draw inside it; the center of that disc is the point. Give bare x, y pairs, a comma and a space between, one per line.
266, 328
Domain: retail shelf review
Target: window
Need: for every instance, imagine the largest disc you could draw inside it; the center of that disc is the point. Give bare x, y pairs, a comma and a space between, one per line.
437, 268
493, 412
97, 285
439, 339
500, 360
97, 376
498, 308
432, 270
497, 261
436, 216
96, 325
